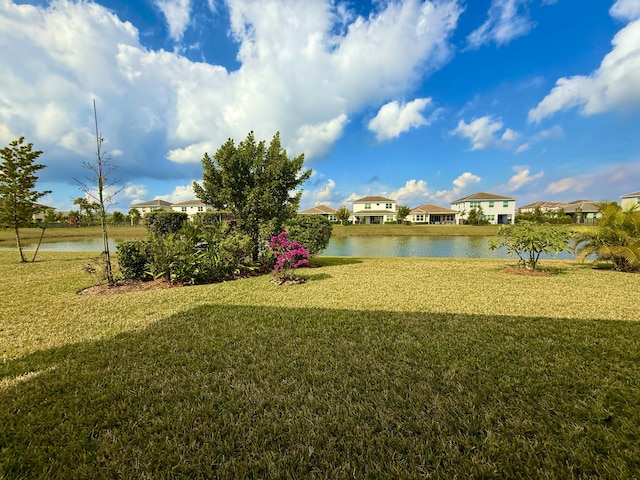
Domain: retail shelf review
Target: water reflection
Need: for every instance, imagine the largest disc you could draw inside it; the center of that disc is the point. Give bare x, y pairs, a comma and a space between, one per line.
449, 247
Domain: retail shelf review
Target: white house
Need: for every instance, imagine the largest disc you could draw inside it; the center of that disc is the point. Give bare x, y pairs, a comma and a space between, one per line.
497, 209
374, 210
324, 210
432, 214
630, 199
191, 207
151, 206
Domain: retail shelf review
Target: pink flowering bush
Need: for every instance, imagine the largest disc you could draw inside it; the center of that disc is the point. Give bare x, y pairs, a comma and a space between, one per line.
289, 256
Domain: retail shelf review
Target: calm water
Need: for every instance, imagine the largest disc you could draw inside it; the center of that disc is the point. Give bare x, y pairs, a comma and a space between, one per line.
450, 247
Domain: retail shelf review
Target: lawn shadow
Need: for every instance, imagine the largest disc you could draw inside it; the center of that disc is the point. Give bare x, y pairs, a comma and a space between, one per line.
274, 392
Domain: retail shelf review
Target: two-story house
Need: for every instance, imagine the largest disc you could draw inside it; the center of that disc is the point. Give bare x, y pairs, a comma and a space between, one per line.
151, 206
496, 209
374, 210
191, 207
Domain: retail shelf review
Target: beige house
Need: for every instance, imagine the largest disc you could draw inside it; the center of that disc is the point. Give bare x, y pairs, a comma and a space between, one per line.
630, 199
38, 217
191, 207
433, 214
496, 209
152, 206
324, 210
373, 210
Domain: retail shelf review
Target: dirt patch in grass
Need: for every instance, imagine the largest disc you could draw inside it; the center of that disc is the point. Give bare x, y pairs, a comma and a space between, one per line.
527, 272
125, 286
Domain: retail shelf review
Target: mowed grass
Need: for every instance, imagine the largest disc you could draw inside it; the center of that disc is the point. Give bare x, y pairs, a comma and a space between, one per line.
383, 368
58, 234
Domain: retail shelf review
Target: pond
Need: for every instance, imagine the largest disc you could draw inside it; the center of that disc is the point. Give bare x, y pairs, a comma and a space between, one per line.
419, 246
391, 246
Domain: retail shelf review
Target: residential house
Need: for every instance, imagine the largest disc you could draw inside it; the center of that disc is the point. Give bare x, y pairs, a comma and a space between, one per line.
324, 210
152, 206
38, 217
630, 199
496, 209
374, 210
432, 214
581, 211
191, 207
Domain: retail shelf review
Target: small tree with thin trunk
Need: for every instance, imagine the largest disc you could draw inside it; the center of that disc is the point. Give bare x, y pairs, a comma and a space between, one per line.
402, 212
96, 187
343, 214
17, 182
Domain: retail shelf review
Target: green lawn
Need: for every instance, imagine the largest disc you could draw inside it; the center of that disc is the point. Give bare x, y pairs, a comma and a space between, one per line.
385, 368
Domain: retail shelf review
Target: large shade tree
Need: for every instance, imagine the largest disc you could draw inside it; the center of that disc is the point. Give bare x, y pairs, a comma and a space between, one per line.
255, 183
18, 179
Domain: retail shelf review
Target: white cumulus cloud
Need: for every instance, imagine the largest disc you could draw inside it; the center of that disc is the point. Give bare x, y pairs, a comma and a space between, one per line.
506, 20
625, 10
305, 69
482, 132
522, 177
460, 185
614, 85
411, 193
395, 118
177, 13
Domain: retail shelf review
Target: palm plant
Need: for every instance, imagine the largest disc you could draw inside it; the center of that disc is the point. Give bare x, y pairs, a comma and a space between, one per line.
615, 239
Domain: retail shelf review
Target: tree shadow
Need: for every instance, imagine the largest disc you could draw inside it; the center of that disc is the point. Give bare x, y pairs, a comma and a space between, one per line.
271, 392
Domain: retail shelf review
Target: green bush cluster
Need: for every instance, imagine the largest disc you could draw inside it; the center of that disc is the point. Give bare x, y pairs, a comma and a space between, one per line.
311, 231
197, 253
164, 223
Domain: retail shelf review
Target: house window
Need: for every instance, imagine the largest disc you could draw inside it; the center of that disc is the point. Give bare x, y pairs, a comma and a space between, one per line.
490, 218
491, 204
388, 206
183, 209
201, 209
389, 218
474, 204
153, 209
420, 218
143, 210
505, 203
367, 206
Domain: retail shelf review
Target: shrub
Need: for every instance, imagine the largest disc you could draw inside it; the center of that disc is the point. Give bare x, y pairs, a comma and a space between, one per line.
312, 231
163, 223
200, 253
289, 256
528, 240
133, 258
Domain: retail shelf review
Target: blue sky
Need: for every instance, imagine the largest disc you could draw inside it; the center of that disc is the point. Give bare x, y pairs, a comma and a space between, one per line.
420, 101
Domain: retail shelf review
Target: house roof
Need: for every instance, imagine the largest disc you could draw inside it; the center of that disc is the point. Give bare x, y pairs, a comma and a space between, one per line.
482, 196
430, 208
152, 203
631, 195
373, 199
318, 210
44, 207
582, 205
543, 204
193, 203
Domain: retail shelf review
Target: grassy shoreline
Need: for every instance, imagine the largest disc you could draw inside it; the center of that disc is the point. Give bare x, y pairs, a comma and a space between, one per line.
391, 368
7, 237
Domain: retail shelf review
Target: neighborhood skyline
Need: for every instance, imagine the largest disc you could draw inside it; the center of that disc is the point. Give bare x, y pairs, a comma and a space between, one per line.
419, 101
